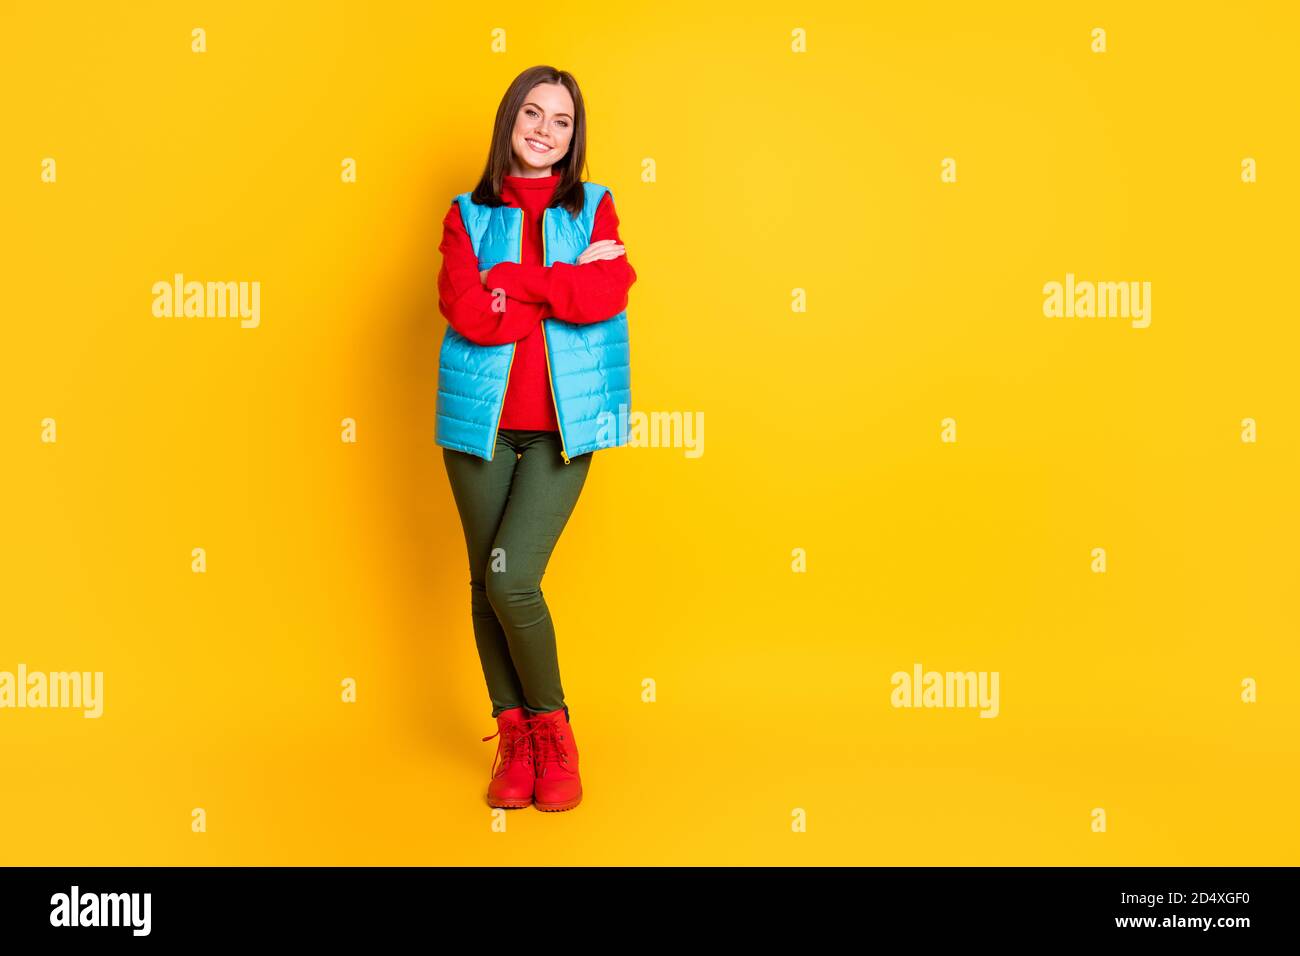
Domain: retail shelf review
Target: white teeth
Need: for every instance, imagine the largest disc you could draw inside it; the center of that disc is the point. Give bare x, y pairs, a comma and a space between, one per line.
537, 147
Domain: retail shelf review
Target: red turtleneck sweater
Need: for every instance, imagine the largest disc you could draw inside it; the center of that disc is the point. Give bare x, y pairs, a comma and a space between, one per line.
591, 292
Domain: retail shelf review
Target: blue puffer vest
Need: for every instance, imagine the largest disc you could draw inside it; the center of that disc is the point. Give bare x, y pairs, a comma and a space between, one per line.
587, 363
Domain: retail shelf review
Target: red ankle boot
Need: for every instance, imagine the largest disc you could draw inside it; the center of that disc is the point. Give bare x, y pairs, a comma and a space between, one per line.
555, 757
512, 783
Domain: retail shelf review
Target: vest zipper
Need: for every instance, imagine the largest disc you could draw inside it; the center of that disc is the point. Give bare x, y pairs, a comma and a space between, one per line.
514, 347
492, 449
563, 451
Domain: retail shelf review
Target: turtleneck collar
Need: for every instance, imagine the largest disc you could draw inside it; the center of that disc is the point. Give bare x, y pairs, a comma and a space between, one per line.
532, 182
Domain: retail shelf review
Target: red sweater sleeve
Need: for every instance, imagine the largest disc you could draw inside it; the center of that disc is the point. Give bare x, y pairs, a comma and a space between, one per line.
591, 292
466, 303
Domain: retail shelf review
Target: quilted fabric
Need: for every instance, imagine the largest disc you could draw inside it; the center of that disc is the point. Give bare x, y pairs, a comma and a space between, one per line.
588, 363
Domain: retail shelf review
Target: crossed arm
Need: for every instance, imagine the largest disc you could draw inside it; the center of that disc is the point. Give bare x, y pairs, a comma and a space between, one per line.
591, 292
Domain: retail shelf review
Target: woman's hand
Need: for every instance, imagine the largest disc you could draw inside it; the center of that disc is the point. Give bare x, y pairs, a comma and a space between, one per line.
604, 249
482, 275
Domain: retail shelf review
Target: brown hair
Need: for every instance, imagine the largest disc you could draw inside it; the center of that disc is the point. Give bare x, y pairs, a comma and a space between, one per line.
569, 191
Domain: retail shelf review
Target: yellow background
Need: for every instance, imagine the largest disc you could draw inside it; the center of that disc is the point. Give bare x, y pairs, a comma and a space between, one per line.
775, 171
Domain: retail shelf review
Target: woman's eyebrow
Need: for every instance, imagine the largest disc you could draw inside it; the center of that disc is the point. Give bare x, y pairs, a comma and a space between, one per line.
531, 103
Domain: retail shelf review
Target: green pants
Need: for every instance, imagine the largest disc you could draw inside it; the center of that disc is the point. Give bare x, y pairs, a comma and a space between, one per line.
513, 509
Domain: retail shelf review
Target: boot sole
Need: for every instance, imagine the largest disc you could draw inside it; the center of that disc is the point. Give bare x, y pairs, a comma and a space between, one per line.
508, 804
551, 807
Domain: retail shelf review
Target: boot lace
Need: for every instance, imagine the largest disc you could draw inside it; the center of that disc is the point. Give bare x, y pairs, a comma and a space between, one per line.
548, 746
515, 744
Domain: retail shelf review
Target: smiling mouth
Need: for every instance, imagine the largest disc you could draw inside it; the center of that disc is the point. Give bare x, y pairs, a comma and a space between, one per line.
536, 146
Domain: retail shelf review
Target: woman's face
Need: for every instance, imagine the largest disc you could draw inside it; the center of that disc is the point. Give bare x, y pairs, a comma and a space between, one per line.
543, 130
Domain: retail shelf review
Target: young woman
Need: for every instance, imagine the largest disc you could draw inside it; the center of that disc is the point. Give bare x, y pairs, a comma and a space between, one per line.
533, 378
